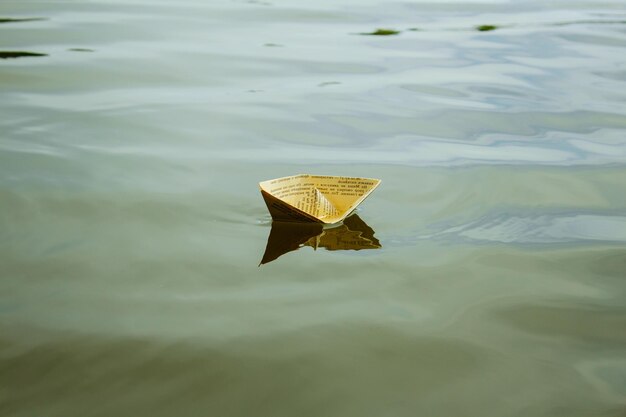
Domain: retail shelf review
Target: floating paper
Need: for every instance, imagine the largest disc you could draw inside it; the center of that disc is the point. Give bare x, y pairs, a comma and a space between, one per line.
315, 198
352, 234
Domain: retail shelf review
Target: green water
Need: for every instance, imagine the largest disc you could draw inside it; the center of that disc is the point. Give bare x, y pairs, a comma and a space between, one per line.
132, 138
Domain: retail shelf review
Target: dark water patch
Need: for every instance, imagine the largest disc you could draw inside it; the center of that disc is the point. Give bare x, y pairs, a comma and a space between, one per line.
490, 27
381, 32
327, 83
19, 54
27, 19
81, 50
72, 372
587, 324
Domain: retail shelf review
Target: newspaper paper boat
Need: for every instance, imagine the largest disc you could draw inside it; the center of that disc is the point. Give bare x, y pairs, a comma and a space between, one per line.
315, 198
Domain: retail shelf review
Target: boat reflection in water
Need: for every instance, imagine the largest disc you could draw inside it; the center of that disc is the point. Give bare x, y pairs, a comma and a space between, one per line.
352, 234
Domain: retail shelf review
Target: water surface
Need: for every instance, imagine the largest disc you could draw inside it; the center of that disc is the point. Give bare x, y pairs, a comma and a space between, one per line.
131, 226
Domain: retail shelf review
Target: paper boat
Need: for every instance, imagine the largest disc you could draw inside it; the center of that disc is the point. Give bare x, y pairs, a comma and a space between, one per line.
315, 198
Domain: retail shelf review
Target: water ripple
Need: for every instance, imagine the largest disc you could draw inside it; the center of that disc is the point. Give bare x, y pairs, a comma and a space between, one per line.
540, 229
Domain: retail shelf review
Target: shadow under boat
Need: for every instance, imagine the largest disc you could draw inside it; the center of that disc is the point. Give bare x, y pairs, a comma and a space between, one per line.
352, 234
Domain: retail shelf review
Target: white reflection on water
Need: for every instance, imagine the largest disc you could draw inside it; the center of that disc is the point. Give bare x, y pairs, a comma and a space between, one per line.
410, 151
415, 151
559, 228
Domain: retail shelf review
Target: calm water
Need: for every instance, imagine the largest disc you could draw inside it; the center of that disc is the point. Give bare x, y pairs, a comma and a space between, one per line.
133, 136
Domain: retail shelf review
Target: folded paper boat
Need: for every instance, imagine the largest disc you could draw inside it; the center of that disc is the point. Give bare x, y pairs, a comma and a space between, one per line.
315, 198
